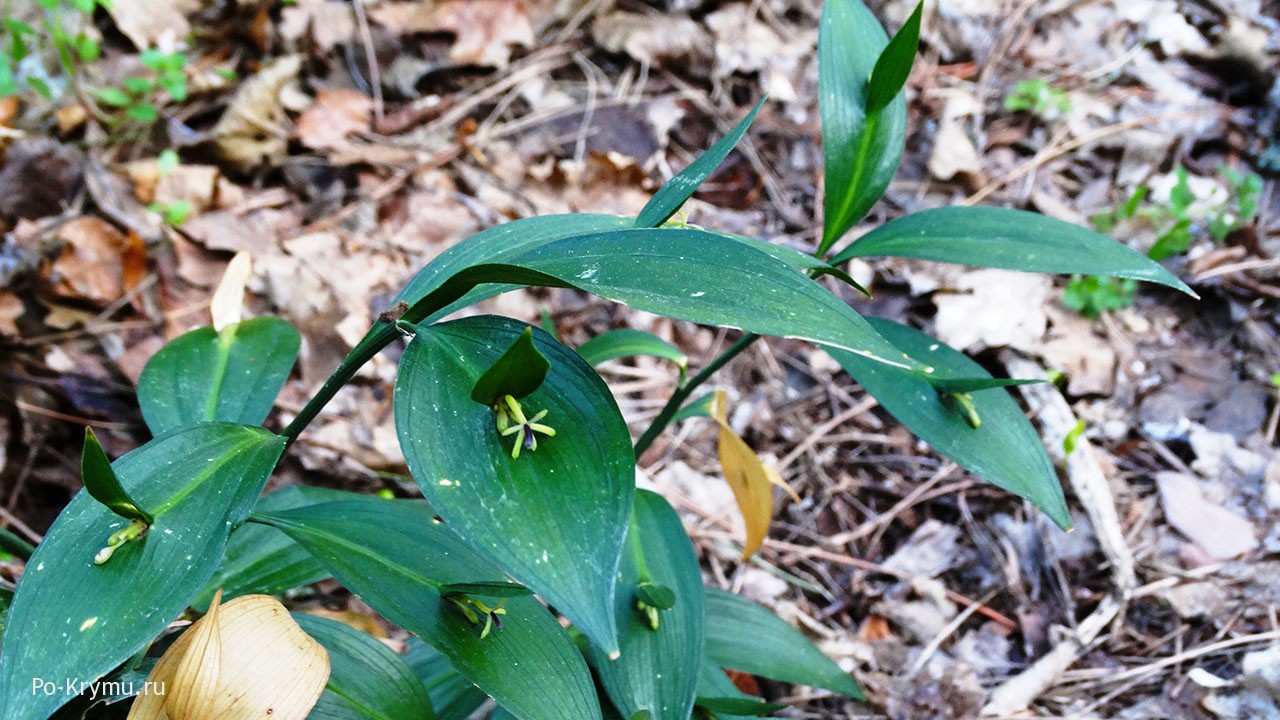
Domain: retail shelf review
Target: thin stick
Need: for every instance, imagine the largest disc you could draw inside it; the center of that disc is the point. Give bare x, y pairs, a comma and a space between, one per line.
370, 58
1053, 151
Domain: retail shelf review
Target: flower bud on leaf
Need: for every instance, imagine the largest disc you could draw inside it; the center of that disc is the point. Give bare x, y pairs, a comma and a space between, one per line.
246, 659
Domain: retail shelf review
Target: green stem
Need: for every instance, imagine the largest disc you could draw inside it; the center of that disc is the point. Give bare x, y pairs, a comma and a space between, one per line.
15, 545
683, 392
379, 337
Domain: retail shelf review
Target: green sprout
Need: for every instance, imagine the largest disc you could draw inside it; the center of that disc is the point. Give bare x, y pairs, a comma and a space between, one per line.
1039, 98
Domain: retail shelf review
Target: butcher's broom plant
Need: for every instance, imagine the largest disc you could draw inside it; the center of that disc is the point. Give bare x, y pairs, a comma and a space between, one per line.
533, 572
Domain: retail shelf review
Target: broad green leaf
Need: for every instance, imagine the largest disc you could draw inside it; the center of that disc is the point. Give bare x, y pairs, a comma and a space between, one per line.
680, 188
72, 618
713, 683
746, 637
261, 559
397, 557
737, 706
894, 64
963, 385
1005, 451
453, 696
861, 149
687, 274
625, 342
517, 372
233, 376
554, 517
497, 244
658, 670
1007, 239
366, 680
101, 483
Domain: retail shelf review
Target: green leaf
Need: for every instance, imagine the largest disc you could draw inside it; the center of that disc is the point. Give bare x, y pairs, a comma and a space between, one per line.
1092, 295
1173, 241
72, 618
233, 376
698, 407
746, 637
1007, 239
142, 112
517, 372
969, 384
138, 85
497, 244
625, 342
680, 188
41, 87
87, 48
554, 517
115, 97
655, 595
658, 670
894, 64
713, 683
861, 149
687, 274
261, 559
366, 680
101, 483
452, 695
397, 557
1005, 451
742, 707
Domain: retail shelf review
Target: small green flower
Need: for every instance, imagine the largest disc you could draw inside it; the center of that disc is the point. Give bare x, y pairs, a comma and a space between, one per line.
469, 606
134, 530
511, 421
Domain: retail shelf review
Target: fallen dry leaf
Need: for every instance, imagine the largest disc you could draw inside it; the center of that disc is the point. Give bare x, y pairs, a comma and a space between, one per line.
649, 37
1087, 360
1221, 533
91, 264
329, 23
11, 308
253, 129
244, 660
483, 30
152, 23
752, 481
332, 116
1001, 308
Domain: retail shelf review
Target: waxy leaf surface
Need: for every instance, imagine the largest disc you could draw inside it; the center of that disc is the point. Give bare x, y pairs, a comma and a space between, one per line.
74, 619
554, 517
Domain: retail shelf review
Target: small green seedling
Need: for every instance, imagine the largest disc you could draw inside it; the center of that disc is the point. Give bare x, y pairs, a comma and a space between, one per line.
1038, 97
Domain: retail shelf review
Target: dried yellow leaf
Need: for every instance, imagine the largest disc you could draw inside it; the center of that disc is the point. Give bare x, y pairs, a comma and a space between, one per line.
243, 660
751, 480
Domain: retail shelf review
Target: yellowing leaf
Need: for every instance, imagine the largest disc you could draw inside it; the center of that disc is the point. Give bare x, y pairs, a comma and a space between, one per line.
228, 299
751, 481
244, 660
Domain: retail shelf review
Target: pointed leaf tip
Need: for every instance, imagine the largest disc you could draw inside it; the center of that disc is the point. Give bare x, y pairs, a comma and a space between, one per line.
101, 482
516, 373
